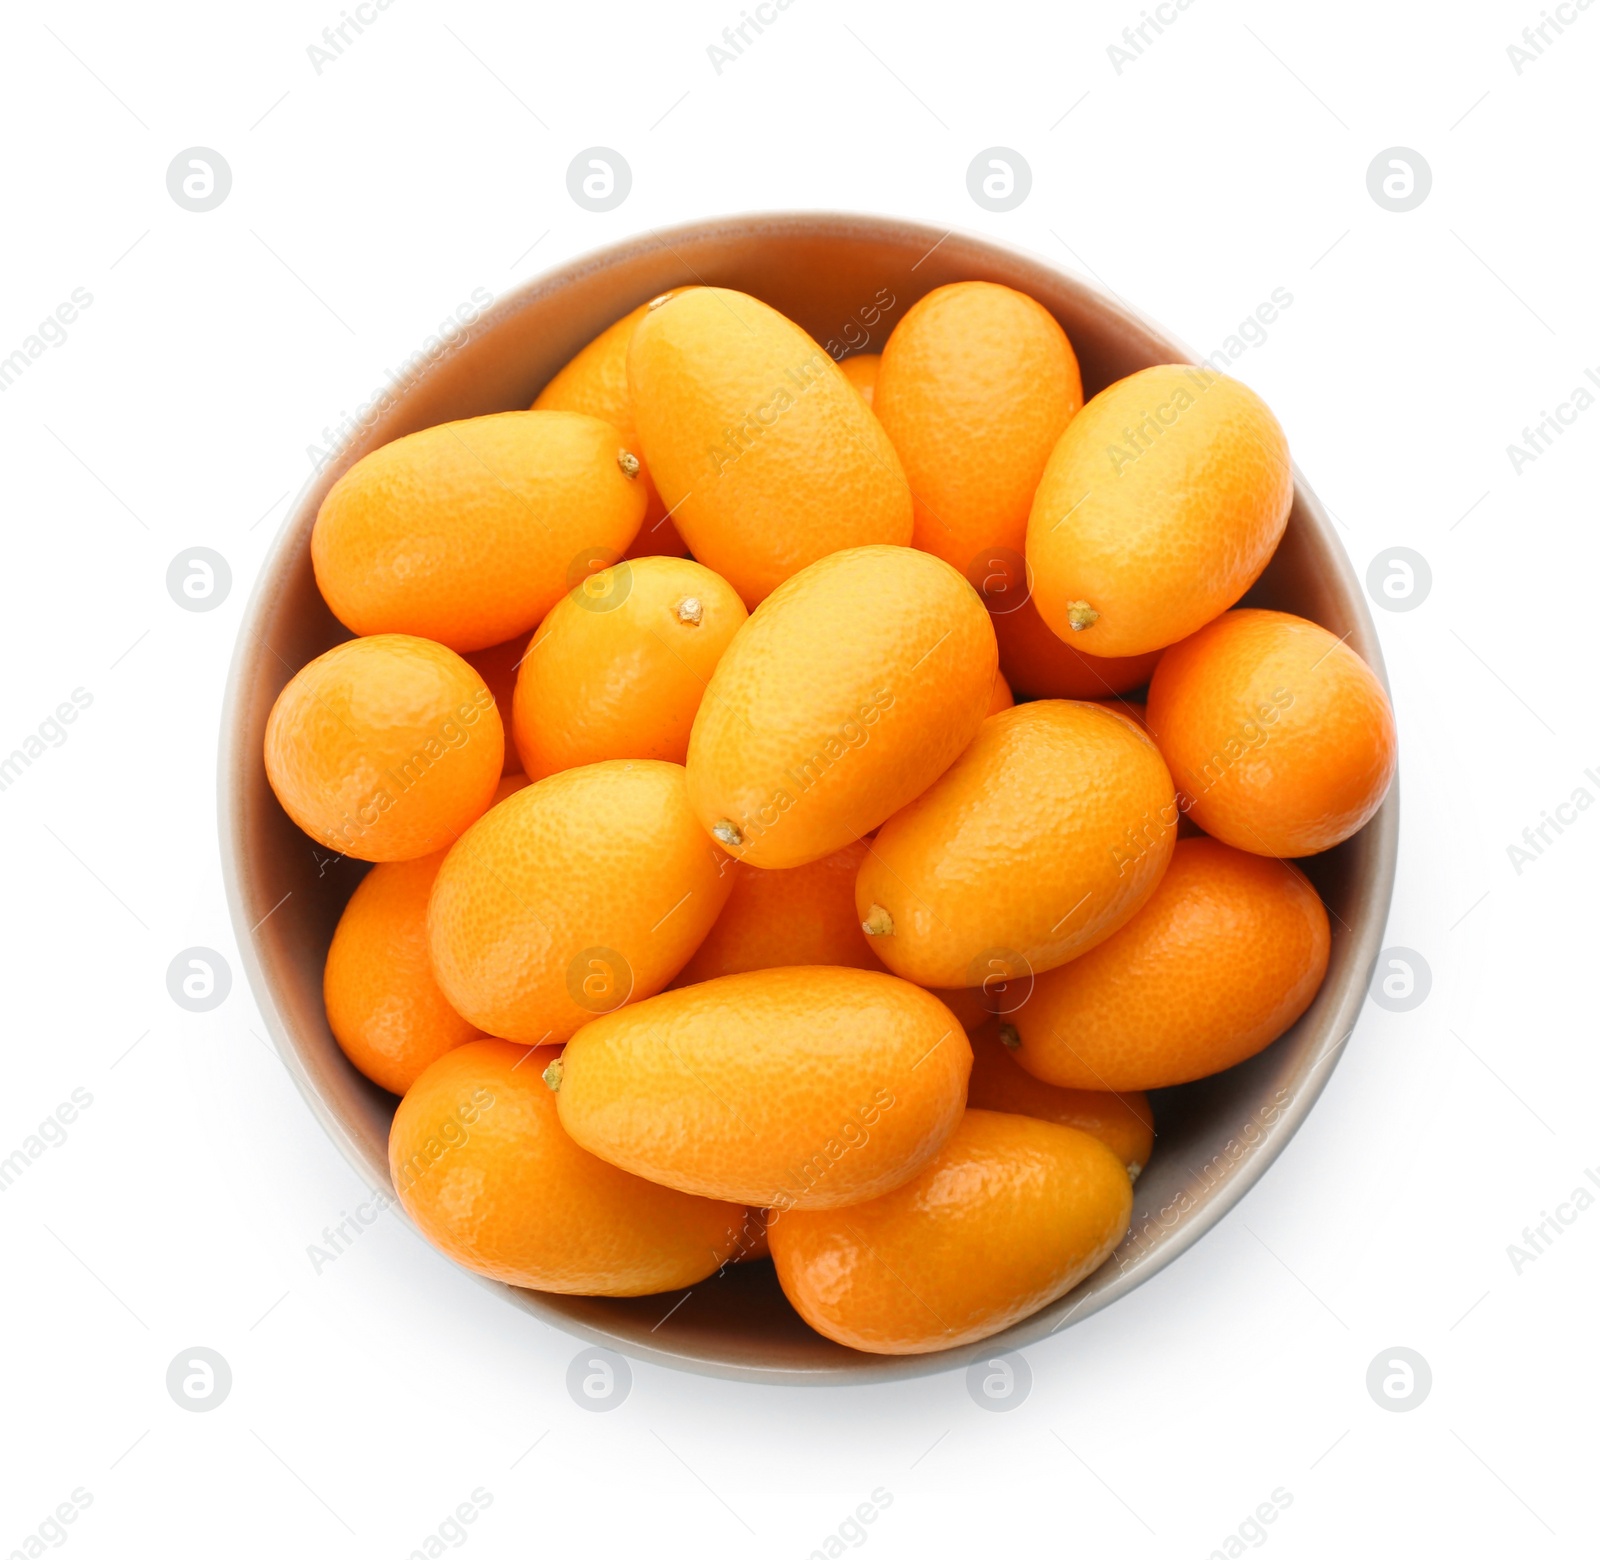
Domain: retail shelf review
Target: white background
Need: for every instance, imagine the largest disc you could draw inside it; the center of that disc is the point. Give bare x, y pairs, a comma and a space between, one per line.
368, 201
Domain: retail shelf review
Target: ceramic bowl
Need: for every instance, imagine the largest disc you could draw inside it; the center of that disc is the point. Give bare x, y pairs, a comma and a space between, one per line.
847, 280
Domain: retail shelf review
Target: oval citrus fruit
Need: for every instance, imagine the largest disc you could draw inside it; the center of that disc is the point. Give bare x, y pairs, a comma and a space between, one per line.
846, 694
1043, 838
764, 452
978, 381
596, 382
482, 1166
618, 668
1223, 957
1160, 505
811, 1087
862, 371
581, 892
385, 748
468, 533
384, 1006
498, 666
1279, 736
1122, 1122
1010, 1214
1039, 666
786, 916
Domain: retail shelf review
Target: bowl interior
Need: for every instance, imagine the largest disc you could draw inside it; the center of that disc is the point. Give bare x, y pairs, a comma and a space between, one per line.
847, 280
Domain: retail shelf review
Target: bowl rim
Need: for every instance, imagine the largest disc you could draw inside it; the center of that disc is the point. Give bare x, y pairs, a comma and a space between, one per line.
236, 754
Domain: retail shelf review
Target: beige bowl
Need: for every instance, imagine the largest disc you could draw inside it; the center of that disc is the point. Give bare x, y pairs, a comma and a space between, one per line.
834, 275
